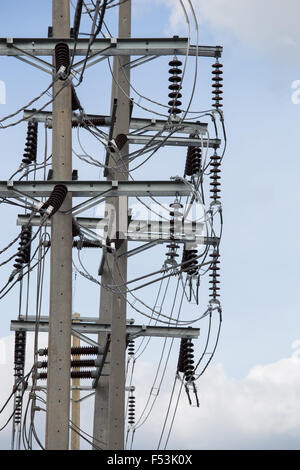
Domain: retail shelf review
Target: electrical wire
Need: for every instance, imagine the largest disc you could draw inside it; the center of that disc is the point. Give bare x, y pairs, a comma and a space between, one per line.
197, 191
137, 425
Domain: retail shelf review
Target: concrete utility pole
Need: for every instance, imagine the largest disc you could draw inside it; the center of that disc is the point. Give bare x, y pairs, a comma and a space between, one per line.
109, 374
75, 438
110, 393
59, 354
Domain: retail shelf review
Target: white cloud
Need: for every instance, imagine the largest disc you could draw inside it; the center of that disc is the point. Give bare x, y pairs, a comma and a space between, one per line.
260, 411
269, 25
7, 378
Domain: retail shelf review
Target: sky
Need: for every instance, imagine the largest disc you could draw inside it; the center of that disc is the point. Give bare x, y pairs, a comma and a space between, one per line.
249, 395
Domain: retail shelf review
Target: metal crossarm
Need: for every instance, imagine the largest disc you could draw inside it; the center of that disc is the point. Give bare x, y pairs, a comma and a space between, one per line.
96, 327
107, 47
173, 141
184, 127
93, 188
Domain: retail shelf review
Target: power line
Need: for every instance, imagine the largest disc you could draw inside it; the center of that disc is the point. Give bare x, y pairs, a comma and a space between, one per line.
178, 282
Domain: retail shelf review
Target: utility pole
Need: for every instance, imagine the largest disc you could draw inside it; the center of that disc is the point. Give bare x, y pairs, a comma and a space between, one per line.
110, 394
58, 383
111, 328
75, 439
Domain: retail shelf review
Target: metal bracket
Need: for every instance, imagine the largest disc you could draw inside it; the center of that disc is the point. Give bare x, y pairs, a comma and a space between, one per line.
36, 203
111, 132
103, 359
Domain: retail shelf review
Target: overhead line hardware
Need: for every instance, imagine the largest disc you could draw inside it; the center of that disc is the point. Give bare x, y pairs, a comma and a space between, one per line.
184, 127
34, 189
107, 47
96, 327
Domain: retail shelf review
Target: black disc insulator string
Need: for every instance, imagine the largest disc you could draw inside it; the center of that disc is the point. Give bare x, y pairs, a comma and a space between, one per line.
193, 161
19, 366
24, 249
76, 363
56, 198
188, 360
20, 348
74, 374
172, 254
62, 58
214, 276
131, 347
215, 177
30, 150
180, 364
131, 410
175, 86
18, 409
87, 244
88, 122
217, 85
175, 227
76, 351
189, 258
